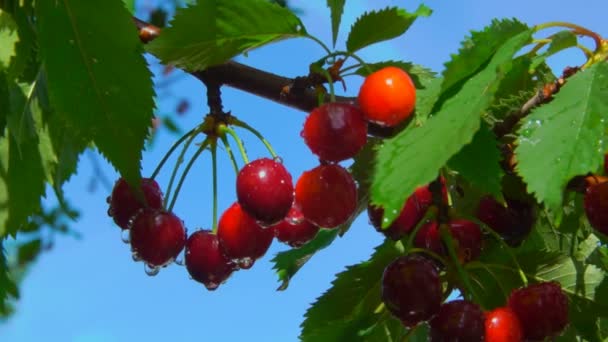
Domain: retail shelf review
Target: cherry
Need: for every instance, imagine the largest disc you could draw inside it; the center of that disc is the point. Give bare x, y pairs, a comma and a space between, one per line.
124, 205
387, 96
413, 211
466, 235
205, 261
157, 236
327, 195
596, 206
265, 190
458, 321
513, 223
502, 325
542, 309
411, 289
241, 238
335, 131
295, 230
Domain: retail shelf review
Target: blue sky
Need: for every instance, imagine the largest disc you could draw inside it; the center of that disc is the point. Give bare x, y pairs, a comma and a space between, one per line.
90, 290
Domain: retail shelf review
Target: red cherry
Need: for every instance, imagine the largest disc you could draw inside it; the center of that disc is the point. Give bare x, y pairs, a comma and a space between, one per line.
458, 321
542, 309
265, 190
502, 325
241, 238
596, 206
295, 230
327, 195
411, 289
335, 131
157, 236
205, 261
413, 211
124, 205
466, 235
513, 223
387, 96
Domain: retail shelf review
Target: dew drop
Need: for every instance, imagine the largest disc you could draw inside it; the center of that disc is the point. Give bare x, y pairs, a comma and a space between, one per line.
179, 260
278, 159
295, 219
110, 211
108, 199
135, 256
212, 286
151, 270
125, 236
244, 263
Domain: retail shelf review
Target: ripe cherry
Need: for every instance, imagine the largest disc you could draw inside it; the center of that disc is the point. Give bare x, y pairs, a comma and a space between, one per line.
265, 190
327, 195
205, 261
411, 289
596, 206
413, 211
124, 205
241, 238
458, 321
387, 96
466, 235
335, 131
513, 223
157, 236
295, 230
542, 309
502, 325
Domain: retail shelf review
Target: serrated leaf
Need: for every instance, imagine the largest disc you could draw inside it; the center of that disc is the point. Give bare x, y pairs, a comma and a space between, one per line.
420, 75
376, 26
8, 289
107, 96
28, 251
8, 39
213, 31
350, 308
420, 152
479, 162
565, 137
477, 50
288, 263
336, 8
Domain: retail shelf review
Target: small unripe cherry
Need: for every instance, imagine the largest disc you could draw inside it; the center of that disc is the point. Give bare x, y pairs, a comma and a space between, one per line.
387, 96
335, 131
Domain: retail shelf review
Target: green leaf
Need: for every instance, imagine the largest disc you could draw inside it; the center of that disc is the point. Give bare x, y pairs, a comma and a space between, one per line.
107, 97
8, 39
376, 26
351, 309
337, 8
420, 152
565, 137
479, 162
288, 263
477, 50
8, 289
28, 251
420, 75
130, 5
214, 31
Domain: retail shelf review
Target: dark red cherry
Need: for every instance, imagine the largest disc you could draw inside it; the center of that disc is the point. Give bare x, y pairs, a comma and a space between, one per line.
596, 206
502, 325
205, 261
124, 205
241, 238
413, 211
513, 222
542, 309
335, 131
265, 190
327, 195
157, 236
458, 321
411, 289
295, 230
466, 235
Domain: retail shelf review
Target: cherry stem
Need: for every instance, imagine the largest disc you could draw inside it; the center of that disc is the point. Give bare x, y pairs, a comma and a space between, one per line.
178, 162
187, 170
255, 132
318, 41
576, 29
448, 240
330, 83
429, 253
225, 129
230, 153
170, 152
214, 171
